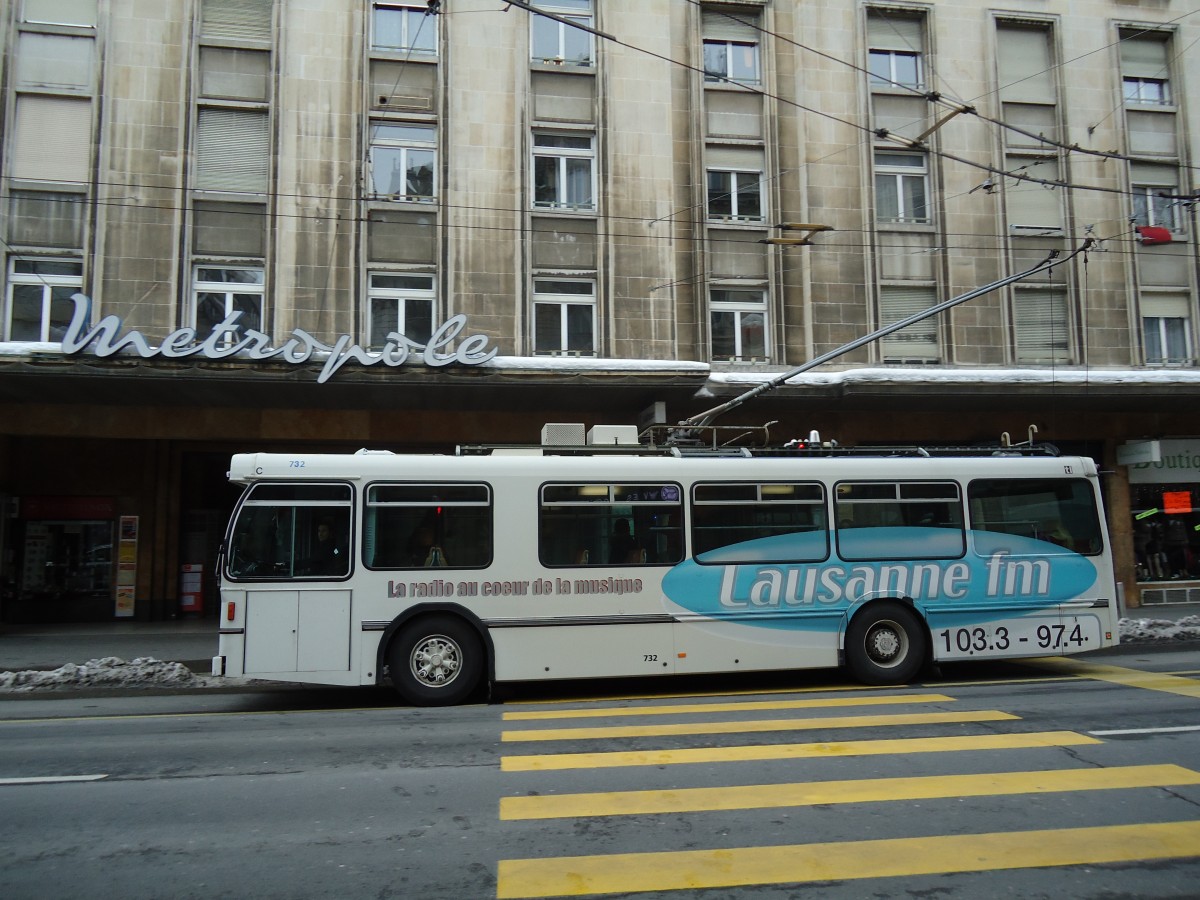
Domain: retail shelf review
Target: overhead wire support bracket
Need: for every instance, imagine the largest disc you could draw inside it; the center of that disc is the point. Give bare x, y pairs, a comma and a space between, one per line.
703, 419
801, 241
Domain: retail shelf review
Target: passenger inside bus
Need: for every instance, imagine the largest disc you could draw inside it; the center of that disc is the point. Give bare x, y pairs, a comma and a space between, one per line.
423, 549
328, 554
622, 548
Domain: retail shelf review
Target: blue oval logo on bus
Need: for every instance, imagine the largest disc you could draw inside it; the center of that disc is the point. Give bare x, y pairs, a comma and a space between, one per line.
769, 575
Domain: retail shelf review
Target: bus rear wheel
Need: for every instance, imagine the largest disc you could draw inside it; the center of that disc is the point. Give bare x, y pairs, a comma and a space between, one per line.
435, 661
886, 644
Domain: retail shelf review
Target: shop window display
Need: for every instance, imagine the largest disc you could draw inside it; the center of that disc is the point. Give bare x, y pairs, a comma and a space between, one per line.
1166, 532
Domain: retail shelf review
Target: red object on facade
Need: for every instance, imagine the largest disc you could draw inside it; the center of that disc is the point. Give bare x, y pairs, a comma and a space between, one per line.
1154, 234
191, 588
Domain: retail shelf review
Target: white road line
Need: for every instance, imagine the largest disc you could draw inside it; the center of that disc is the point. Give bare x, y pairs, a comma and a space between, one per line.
1146, 730
49, 779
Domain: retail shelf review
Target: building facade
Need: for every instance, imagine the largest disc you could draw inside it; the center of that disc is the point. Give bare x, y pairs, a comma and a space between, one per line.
236, 225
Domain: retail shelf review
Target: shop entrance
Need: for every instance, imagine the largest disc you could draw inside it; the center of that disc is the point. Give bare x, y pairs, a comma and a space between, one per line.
66, 562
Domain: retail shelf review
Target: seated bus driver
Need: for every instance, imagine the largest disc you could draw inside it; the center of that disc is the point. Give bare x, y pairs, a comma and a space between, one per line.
327, 558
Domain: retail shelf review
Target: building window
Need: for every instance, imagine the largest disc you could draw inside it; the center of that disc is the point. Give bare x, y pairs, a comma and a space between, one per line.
918, 343
738, 320
221, 292
400, 303
1166, 332
556, 42
1152, 205
1166, 340
51, 139
894, 47
564, 316
39, 298
1145, 68
735, 195
901, 187
1147, 90
403, 28
731, 46
735, 61
563, 171
894, 68
403, 161
56, 62
233, 149
229, 73
1030, 205
80, 13
1153, 189
1041, 326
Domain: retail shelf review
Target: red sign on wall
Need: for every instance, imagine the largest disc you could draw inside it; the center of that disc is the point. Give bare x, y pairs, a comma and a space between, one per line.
1177, 503
74, 508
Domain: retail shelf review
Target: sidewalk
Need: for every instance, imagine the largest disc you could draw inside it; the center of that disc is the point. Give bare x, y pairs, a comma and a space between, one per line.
193, 642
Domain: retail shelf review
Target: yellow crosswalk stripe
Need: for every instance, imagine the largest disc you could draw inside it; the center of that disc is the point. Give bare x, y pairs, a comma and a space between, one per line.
767, 796
614, 759
752, 706
1151, 681
839, 861
754, 726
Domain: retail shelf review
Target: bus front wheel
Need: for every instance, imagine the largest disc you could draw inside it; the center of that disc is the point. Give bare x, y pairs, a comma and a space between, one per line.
435, 661
886, 644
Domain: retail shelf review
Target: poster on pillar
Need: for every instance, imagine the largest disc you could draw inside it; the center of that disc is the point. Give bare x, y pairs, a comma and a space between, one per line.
127, 568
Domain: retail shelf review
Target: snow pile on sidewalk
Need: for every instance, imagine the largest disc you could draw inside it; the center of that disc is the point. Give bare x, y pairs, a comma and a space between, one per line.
147, 672
1142, 630
110, 671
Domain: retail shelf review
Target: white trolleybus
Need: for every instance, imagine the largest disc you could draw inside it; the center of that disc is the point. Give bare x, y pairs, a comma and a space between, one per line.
442, 573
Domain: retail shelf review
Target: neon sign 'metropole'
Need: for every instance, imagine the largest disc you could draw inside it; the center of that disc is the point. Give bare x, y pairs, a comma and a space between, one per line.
224, 342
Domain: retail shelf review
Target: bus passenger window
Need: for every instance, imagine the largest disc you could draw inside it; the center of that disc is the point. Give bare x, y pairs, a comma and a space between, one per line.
899, 520
1059, 513
759, 522
609, 525
428, 526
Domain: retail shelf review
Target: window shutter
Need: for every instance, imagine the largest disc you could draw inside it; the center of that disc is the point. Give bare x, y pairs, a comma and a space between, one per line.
54, 61
61, 12
1152, 133
1025, 65
887, 32
718, 26
742, 159
1144, 58
1166, 306
243, 20
53, 139
917, 341
232, 150
1029, 204
1151, 173
1040, 324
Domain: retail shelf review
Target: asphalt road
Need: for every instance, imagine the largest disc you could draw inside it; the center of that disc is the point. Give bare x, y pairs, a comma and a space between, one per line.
1077, 779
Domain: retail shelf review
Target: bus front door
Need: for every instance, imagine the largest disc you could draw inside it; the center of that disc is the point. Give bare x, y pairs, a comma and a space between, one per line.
297, 631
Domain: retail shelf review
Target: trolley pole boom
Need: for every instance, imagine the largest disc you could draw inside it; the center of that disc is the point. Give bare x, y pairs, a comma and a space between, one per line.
707, 417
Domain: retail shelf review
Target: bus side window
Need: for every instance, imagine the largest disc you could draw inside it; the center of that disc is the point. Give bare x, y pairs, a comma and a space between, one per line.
428, 526
276, 534
609, 525
1057, 512
739, 521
